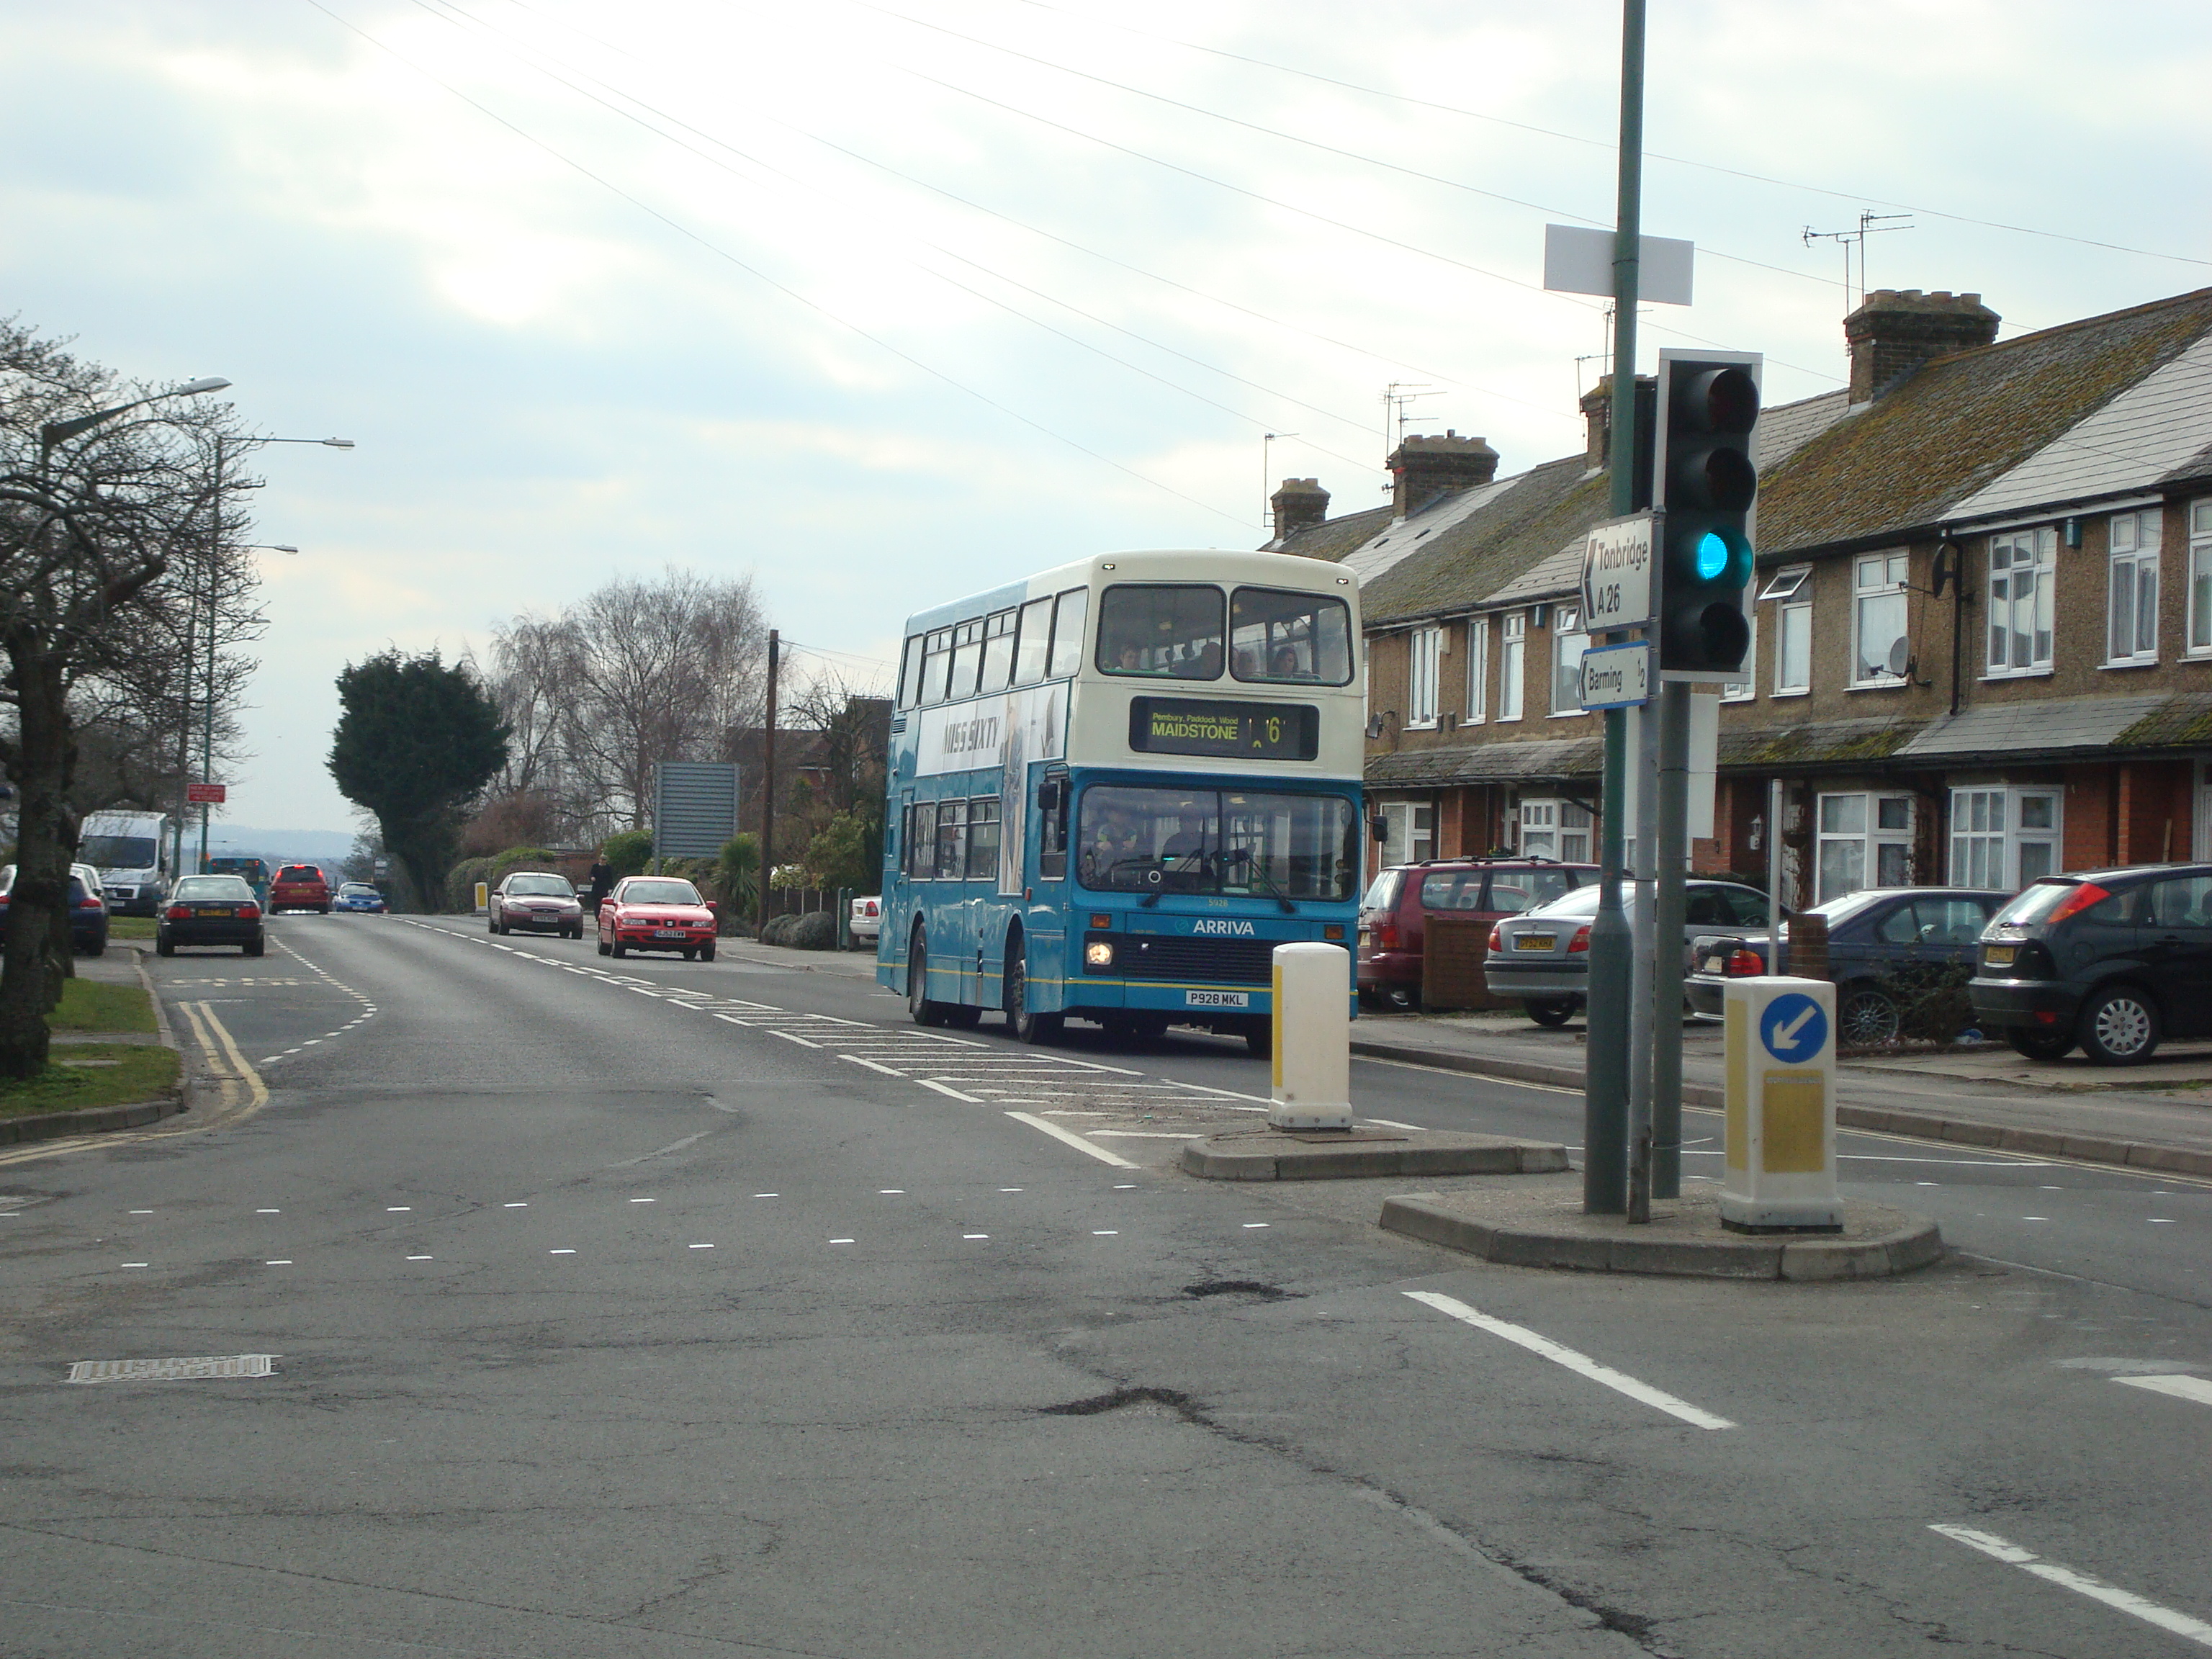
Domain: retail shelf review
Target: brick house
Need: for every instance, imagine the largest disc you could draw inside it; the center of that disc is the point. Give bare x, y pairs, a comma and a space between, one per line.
1982, 614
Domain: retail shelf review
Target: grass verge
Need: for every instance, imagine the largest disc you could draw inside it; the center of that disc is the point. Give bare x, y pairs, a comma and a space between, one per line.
89, 1004
137, 1072
131, 926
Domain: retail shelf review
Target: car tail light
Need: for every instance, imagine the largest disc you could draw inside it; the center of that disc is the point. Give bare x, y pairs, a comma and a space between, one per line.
89, 903
1496, 939
1386, 935
1746, 964
180, 912
248, 912
2075, 902
1580, 941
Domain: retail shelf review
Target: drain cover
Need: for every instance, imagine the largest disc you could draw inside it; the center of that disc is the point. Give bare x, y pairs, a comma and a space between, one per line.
170, 1371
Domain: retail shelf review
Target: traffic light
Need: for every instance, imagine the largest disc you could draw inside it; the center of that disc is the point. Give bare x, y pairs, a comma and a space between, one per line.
1708, 409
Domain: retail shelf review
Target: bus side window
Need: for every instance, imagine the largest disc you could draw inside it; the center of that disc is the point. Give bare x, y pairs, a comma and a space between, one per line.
983, 839
951, 839
967, 658
922, 842
1067, 632
937, 659
910, 674
1035, 642
1051, 829
998, 652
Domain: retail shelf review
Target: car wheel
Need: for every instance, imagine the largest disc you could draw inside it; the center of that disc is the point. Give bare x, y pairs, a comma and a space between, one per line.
1401, 999
2120, 1027
2040, 1045
690, 953
1261, 1039
1027, 1025
1549, 1010
164, 946
256, 947
919, 1007
706, 951
1867, 1018
605, 949
620, 949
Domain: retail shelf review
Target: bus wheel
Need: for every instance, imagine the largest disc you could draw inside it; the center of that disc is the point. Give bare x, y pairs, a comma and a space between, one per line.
1148, 1028
924, 1011
1261, 1039
1027, 1027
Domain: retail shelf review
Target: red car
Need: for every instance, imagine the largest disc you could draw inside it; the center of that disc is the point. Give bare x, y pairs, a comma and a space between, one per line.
1393, 915
298, 887
656, 912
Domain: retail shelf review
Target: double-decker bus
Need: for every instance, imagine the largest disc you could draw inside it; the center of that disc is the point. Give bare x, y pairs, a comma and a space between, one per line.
1117, 787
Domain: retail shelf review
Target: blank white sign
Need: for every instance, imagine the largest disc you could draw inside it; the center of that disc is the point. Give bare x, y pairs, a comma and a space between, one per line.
1580, 261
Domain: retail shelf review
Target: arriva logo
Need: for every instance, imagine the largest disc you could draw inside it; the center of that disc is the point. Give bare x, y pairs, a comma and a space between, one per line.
1236, 929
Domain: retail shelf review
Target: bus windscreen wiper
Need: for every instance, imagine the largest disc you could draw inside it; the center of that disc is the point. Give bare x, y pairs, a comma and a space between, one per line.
1253, 867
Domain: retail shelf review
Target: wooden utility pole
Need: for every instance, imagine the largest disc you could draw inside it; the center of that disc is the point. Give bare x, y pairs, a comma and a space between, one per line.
768, 781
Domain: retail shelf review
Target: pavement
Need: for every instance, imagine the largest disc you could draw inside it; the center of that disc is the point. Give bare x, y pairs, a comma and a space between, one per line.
564, 1307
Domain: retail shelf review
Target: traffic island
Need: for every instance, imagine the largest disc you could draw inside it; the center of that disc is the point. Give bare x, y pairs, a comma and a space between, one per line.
1542, 1225
1340, 1154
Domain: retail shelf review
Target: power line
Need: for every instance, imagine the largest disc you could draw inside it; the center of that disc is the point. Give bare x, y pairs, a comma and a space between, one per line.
763, 277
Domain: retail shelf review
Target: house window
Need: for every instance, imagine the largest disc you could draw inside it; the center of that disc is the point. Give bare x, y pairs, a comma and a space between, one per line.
1411, 832
2200, 579
1569, 641
1478, 670
1743, 690
1555, 829
1510, 654
2021, 567
2004, 838
2132, 617
1866, 840
1425, 651
1880, 649
1792, 591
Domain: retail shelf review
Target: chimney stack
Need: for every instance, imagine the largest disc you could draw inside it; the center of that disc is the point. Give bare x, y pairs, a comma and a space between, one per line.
1597, 417
1894, 331
1300, 505
1426, 468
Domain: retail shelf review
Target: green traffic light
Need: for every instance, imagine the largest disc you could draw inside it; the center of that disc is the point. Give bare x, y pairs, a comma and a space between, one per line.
1713, 555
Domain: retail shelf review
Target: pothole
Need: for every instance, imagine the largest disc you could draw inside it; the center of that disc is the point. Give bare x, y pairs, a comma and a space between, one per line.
1251, 1287
1174, 1399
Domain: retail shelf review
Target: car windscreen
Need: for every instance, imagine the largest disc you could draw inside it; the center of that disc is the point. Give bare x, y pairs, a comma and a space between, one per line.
1583, 901
1383, 894
356, 890
1218, 841
298, 872
660, 892
2034, 902
541, 887
119, 852
212, 889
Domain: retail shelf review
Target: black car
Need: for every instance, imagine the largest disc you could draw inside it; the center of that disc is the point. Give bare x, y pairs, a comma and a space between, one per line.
209, 910
1881, 939
2115, 961
87, 914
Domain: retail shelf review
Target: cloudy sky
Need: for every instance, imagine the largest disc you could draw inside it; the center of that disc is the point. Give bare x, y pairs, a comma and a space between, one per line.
885, 300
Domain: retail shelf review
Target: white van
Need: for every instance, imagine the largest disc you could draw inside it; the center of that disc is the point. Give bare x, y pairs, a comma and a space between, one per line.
132, 851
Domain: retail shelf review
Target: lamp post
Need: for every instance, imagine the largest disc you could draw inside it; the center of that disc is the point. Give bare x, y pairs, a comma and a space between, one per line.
55, 432
214, 551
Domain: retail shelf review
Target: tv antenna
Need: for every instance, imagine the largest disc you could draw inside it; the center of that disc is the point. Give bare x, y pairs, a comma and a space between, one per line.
1266, 472
1870, 224
1396, 397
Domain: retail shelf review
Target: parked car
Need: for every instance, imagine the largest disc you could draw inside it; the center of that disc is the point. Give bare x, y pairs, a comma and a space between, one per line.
358, 896
209, 910
2114, 960
87, 909
1392, 927
298, 887
866, 924
536, 901
1543, 957
656, 912
1879, 939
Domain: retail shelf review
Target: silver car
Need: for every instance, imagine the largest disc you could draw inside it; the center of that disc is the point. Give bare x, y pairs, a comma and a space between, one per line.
1542, 956
538, 903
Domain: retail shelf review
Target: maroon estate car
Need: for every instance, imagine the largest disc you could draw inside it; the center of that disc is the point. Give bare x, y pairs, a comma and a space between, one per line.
656, 912
1393, 913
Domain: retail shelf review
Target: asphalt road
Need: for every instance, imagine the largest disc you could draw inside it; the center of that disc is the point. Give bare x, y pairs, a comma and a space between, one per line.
650, 1309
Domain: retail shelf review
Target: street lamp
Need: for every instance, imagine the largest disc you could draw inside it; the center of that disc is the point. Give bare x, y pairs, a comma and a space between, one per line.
55, 432
214, 547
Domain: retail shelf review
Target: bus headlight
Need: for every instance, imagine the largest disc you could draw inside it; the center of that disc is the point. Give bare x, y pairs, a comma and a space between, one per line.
1099, 953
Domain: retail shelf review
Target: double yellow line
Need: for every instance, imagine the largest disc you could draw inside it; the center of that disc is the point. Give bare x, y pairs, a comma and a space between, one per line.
242, 1086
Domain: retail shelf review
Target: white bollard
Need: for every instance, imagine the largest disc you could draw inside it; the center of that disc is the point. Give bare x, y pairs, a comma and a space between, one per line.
1313, 1038
1779, 1052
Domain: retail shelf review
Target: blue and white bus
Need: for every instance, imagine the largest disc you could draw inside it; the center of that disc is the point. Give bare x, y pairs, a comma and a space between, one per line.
1117, 787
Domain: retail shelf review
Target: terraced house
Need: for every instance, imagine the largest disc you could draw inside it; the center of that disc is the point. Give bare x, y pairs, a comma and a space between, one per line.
1982, 645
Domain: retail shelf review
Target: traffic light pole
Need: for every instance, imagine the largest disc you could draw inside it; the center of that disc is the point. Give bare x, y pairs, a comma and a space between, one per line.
1665, 1150
1607, 1054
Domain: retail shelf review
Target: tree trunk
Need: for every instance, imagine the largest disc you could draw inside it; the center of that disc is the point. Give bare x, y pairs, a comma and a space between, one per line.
41, 774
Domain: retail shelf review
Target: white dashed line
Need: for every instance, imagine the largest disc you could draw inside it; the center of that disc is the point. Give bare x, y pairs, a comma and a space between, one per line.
2081, 1582
418, 1258
841, 1241
560, 1253
2181, 1388
1105, 1232
281, 1262
698, 1246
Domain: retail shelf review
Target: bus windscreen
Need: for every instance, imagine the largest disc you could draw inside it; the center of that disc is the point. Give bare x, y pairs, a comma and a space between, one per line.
1137, 839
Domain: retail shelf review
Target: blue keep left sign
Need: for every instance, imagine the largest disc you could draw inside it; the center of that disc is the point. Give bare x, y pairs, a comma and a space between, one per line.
1794, 1028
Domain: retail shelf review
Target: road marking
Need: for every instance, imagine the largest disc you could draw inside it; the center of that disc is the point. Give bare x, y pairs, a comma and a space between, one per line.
560, 1253
947, 1088
672, 1146
698, 1246
768, 1194
891, 1192
133, 1264
2181, 1388
1558, 1354
645, 1200
787, 1038
281, 1262
1105, 1232
1074, 1140
841, 1241
399, 1209
516, 1204
418, 1258
1250, 1224
871, 1066
2081, 1582
1152, 1134
170, 1371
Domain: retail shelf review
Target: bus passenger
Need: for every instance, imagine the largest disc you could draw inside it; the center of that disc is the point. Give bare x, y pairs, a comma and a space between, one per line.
1284, 665
1133, 658
1208, 663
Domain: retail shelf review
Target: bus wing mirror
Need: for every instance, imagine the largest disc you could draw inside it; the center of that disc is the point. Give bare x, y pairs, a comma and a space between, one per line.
1379, 828
1049, 795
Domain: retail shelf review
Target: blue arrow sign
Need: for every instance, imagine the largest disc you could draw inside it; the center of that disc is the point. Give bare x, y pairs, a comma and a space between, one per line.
1794, 1028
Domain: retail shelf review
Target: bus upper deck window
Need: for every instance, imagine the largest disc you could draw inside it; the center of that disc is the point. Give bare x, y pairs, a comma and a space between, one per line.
1068, 619
998, 652
937, 659
1161, 631
1278, 636
910, 674
1036, 641
967, 658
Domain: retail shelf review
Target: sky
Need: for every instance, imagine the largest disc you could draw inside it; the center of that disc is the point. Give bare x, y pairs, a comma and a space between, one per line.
884, 301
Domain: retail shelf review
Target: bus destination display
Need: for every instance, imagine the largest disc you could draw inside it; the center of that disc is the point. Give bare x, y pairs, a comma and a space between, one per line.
1251, 730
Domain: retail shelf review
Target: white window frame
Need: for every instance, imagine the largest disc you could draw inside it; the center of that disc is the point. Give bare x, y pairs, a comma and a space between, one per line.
1512, 666
1990, 847
1879, 578
1746, 689
2038, 548
1563, 830
1477, 670
2131, 591
1411, 831
2198, 641
1871, 841
1566, 630
1792, 591
1424, 660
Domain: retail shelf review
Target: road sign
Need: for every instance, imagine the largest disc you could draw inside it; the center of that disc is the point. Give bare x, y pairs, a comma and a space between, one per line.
206, 794
695, 808
1794, 1028
1579, 261
1617, 676
1617, 575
